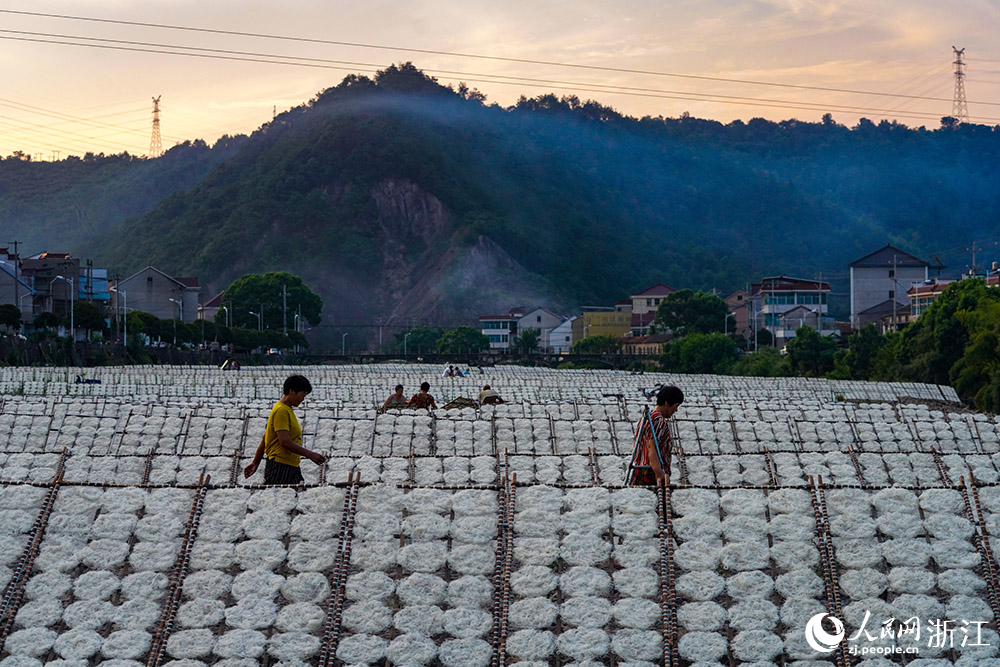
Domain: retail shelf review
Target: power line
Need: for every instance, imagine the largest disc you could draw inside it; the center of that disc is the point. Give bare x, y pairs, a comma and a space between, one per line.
619, 70
219, 54
64, 116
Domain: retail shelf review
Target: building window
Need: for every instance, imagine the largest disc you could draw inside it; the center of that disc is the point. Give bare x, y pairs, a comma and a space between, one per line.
149, 279
657, 301
892, 273
649, 302
539, 318
892, 294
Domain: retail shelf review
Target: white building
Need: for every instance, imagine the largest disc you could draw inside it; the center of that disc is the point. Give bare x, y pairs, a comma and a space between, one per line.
561, 338
782, 304
545, 321
152, 291
879, 283
501, 329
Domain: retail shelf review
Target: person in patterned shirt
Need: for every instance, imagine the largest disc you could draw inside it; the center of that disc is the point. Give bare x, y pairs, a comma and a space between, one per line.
647, 463
422, 399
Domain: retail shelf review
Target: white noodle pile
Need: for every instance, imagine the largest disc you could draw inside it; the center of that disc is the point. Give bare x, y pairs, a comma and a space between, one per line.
694, 616
159, 527
260, 554
256, 583
241, 644
701, 646
948, 526
136, 615
744, 528
756, 645
745, 556
912, 553
637, 526
917, 605
293, 646
362, 586
942, 500
191, 643
126, 644
20, 661
583, 643
212, 555
636, 613
533, 613
465, 622
59, 552
374, 526
125, 500
95, 585
857, 553
78, 644
795, 612
465, 653
799, 583
380, 498
421, 588
474, 529
965, 608
266, 525
854, 613
752, 584
850, 502
535, 522
584, 580
300, 617
280, 500
420, 527
471, 558
586, 521
367, 616
584, 549
753, 613
960, 582
33, 642
637, 553
411, 650
251, 614
531, 644
41, 612
594, 499
104, 553
470, 591
852, 527
113, 526
51, 584
313, 556
697, 502
900, 525
88, 614
200, 613
743, 502
792, 527
636, 582
702, 585
361, 649
694, 527
207, 584
374, 555
911, 580
954, 554
637, 644
426, 620
586, 612
315, 526
154, 556
536, 550
865, 583
789, 501
424, 556
427, 501
895, 500
322, 500
475, 502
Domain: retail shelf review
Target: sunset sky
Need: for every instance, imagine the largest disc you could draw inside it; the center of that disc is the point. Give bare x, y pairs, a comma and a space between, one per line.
74, 99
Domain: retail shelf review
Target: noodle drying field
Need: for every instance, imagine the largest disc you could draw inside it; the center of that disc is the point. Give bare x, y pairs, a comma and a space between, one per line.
475, 538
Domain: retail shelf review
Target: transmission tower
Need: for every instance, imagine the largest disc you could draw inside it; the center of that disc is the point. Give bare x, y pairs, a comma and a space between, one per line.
959, 109
155, 146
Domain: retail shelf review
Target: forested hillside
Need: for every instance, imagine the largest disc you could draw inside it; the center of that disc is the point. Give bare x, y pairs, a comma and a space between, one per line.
428, 203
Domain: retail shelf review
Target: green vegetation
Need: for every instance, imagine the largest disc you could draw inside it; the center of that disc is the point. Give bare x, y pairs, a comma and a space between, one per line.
597, 345
10, 317
463, 339
701, 353
527, 341
262, 294
684, 312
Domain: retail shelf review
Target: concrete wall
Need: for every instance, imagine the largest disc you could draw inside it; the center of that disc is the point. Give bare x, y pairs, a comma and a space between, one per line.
871, 286
150, 292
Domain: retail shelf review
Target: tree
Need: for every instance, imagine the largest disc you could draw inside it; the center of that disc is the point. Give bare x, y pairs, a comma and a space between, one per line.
10, 317
857, 362
765, 362
88, 317
418, 339
701, 353
463, 339
764, 338
527, 341
254, 291
809, 353
684, 312
598, 345
46, 321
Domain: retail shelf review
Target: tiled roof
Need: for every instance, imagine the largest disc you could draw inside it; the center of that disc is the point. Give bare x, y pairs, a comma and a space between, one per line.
883, 258
659, 289
643, 319
789, 284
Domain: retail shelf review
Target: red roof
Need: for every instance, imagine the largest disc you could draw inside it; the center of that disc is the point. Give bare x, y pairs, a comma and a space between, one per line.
788, 284
624, 302
498, 317
659, 289
187, 282
214, 302
933, 288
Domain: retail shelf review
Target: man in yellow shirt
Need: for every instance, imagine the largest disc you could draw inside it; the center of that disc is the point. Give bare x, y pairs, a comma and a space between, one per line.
282, 439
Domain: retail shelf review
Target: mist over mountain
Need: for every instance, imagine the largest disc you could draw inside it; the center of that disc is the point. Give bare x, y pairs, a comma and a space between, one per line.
396, 197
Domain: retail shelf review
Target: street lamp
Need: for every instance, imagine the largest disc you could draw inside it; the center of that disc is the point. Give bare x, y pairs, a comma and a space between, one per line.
260, 322
124, 309
180, 305
343, 341
20, 308
404, 342
227, 315
72, 327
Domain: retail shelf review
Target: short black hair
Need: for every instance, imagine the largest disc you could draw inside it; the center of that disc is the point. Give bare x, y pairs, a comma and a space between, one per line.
296, 383
425, 386
670, 396
399, 387
485, 387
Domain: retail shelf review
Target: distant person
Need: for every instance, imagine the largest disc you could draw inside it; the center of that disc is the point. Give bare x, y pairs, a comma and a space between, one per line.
646, 462
447, 372
396, 399
422, 399
488, 397
282, 439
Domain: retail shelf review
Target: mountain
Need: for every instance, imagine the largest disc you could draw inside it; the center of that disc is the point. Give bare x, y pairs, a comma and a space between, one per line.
398, 198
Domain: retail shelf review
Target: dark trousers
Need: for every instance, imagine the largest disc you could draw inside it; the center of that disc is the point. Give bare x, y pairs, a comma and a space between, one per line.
276, 472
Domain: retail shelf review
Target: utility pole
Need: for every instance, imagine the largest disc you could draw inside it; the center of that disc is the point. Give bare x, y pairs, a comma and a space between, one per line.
959, 108
155, 145
17, 263
973, 268
895, 286
284, 309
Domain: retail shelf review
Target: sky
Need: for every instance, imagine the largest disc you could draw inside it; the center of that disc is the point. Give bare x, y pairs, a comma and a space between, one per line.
61, 99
